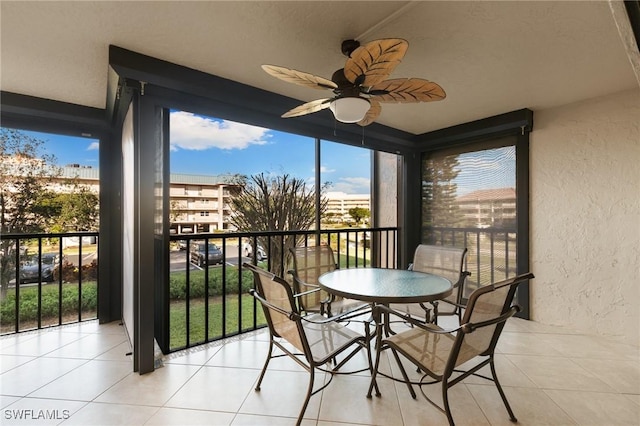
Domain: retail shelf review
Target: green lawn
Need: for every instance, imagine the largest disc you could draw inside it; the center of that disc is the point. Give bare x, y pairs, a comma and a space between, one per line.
197, 321
234, 320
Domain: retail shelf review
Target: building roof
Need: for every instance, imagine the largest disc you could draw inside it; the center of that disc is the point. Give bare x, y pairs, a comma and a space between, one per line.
489, 194
229, 179
90, 173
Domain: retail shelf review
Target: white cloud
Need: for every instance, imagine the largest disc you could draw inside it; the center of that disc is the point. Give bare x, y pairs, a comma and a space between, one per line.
93, 146
193, 132
352, 185
323, 169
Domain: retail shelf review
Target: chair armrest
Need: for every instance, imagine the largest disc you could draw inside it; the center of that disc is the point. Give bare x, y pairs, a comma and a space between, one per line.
306, 293
298, 281
301, 286
288, 314
448, 302
470, 327
463, 277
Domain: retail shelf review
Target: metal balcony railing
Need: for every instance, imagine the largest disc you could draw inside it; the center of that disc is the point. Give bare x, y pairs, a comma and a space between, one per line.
491, 256
208, 288
47, 280
52, 279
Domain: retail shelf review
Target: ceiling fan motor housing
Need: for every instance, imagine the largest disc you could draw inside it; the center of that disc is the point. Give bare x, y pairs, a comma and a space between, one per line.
341, 81
348, 46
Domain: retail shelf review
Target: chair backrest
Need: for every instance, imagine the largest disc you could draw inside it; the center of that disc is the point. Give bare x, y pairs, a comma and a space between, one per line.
447, 262
486, 304
313, 261
308, 264
280, 309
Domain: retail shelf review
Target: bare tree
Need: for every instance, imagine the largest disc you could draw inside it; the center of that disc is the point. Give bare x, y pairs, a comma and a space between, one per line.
276, 203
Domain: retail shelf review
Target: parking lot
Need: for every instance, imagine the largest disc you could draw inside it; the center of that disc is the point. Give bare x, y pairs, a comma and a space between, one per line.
178, 259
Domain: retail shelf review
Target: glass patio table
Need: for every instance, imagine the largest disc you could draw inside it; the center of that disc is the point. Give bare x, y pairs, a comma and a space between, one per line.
385, 286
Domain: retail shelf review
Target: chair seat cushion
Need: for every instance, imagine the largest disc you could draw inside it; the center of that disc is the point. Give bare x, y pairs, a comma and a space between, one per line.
428, 349
431, 350
327, 338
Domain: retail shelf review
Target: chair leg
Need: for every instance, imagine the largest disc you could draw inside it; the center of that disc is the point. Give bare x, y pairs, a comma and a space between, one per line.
404, 373
374, 373
266, 363
308, 396
372, 369
445, 402
512, 417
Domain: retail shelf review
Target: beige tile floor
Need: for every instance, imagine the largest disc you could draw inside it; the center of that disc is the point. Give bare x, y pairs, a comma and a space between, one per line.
80, 375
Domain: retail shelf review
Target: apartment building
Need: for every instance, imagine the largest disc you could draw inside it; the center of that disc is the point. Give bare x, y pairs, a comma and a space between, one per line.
198, 203
488, 208
339, 203
82, 175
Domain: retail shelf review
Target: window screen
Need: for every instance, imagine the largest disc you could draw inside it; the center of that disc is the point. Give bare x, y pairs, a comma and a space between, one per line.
469, 200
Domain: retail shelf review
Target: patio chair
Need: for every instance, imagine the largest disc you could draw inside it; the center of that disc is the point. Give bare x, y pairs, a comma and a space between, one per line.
318, 339
438, 352
308, 264
447, 262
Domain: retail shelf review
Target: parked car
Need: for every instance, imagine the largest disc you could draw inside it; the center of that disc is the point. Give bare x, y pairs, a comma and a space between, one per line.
29, 268
248, 251
51, 258
198, 255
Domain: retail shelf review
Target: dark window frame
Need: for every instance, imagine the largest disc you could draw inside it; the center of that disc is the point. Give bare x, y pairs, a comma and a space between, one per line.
486, 131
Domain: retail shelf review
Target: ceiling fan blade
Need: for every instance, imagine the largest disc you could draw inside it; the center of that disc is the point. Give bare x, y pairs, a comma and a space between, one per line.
299, 77
373, 62
308, 108
372, 114
404, 90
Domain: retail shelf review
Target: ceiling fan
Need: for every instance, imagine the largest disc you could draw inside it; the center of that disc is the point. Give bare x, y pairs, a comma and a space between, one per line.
361, 85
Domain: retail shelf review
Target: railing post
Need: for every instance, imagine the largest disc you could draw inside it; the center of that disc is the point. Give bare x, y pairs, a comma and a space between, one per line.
60, 263
17, 305
79, 278
39, 312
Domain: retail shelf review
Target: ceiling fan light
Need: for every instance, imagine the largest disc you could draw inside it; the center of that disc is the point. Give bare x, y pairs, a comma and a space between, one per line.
349, 109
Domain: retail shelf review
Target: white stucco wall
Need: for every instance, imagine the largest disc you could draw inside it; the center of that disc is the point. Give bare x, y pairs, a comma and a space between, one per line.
585, 215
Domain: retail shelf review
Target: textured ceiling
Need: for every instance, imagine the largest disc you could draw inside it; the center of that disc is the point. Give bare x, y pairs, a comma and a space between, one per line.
490, 57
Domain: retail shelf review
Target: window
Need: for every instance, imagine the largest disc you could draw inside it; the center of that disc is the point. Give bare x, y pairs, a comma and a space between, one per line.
63, 167
216, 152
469, 200
346, 170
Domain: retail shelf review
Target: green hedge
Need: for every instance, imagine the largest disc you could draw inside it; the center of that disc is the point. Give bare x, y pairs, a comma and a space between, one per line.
177, 291
49, 305
178, 283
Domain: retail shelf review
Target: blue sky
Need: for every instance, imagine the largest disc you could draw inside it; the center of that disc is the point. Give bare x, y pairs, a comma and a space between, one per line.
491, 168
202, 145
209, 146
